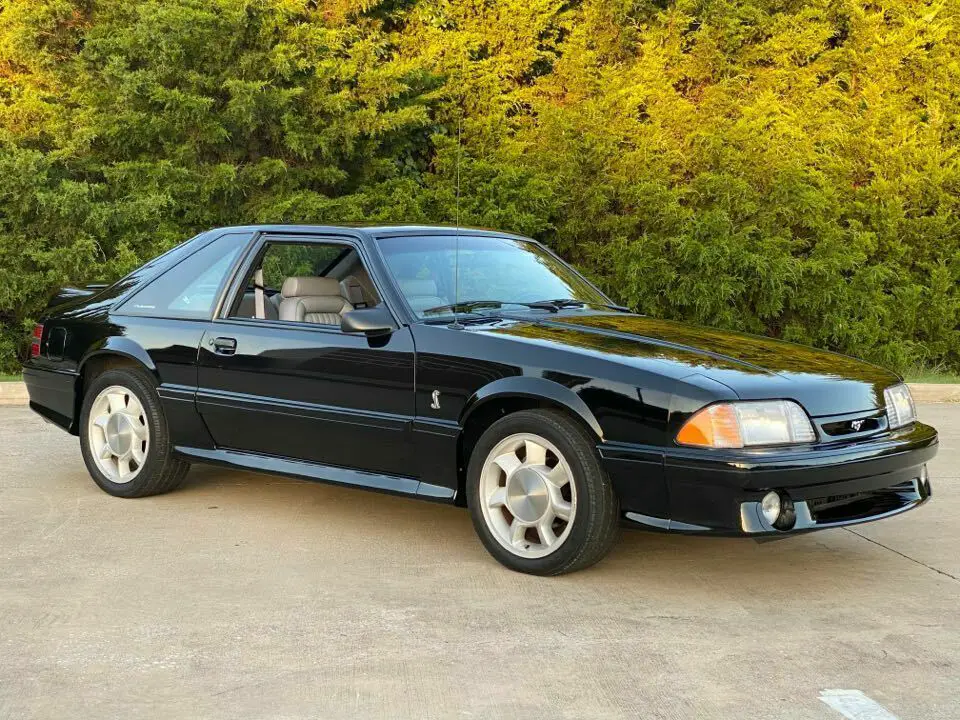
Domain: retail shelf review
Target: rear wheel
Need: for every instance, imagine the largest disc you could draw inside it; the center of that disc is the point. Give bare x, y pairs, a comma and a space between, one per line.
124, 436
538, 497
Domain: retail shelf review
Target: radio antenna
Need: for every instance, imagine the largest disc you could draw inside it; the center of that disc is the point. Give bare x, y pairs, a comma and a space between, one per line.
456, 325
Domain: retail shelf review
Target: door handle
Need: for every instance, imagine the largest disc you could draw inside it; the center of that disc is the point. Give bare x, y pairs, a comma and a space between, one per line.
224, 345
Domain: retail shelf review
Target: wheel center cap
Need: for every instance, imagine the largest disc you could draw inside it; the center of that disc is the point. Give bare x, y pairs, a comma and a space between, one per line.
119, 434
527, 497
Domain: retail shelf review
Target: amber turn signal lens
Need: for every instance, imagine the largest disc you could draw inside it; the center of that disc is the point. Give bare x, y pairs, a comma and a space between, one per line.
715, 426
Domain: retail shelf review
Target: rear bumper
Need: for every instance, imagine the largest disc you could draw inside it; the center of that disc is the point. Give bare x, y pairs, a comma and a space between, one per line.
828, 486
52, 395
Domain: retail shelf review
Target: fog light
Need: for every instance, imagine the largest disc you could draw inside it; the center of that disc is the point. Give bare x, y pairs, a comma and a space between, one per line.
770, 506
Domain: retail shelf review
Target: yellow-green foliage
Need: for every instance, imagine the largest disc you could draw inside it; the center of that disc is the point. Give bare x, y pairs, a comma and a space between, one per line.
789, 168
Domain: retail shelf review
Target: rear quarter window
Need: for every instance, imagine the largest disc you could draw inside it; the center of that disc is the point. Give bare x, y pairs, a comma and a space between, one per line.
189, 289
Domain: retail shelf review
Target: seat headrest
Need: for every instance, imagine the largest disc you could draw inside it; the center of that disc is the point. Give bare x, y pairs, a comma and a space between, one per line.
309, 286
414, 288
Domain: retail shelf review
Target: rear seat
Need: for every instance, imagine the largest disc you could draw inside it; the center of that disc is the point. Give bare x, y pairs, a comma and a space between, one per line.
313, 300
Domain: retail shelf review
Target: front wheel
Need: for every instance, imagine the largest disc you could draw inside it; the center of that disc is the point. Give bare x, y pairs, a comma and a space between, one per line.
124, 437
538, 497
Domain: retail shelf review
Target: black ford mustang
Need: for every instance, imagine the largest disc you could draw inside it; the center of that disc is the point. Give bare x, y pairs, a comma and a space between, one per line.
470, 367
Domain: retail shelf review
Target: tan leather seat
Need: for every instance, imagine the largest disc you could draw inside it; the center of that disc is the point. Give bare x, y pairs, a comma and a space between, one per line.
313, 300
355, 293
421, 294
359, 284
248, 307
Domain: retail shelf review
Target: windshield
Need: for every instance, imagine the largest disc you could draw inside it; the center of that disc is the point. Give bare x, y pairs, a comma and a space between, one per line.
493, 271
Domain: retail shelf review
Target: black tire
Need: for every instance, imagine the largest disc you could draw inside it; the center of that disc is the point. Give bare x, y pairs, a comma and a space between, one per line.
595, 525
162, 470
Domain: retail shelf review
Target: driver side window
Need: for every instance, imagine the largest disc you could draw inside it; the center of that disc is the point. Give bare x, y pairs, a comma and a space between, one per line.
313, 283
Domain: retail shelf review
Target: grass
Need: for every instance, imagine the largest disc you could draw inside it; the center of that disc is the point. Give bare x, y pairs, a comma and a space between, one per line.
932, 377
936, 374
10, 378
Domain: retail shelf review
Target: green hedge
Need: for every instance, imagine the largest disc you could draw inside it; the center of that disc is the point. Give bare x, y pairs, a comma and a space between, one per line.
788, 168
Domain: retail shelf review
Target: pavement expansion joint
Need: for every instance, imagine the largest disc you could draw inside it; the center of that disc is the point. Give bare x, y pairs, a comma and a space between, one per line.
918, 562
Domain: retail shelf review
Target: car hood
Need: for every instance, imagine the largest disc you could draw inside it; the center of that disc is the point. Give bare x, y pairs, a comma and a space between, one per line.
754, 367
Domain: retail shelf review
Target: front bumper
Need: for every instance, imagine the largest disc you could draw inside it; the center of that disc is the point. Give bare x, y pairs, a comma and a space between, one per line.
828, 485
843, 509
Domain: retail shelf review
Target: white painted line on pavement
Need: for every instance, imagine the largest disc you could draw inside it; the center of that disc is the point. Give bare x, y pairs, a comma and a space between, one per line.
854, 705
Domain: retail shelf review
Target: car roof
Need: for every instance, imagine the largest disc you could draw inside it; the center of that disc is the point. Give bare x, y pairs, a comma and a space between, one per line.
372, 231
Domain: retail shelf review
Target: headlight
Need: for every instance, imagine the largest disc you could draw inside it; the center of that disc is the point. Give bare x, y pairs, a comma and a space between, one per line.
741, 424
900, 408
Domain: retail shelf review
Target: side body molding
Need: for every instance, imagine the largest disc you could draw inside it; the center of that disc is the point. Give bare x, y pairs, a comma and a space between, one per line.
536, 388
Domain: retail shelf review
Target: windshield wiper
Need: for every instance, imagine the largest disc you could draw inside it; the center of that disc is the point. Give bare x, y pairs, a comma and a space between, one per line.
618, 308
556, 305
471, 305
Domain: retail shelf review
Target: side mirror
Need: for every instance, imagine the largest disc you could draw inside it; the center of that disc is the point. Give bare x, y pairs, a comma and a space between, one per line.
369, 321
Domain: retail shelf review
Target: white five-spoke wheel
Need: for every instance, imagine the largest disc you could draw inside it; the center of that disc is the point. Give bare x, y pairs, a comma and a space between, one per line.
118, 433
124, 435
538, 496
529, 501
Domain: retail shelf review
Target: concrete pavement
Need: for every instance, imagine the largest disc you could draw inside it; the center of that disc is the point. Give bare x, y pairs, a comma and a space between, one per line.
246, 596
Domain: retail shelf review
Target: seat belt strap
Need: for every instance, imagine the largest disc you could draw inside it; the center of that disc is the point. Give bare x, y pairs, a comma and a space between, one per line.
260, 307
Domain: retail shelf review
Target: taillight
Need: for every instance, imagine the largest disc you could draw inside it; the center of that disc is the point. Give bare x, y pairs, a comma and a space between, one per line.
35, 342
